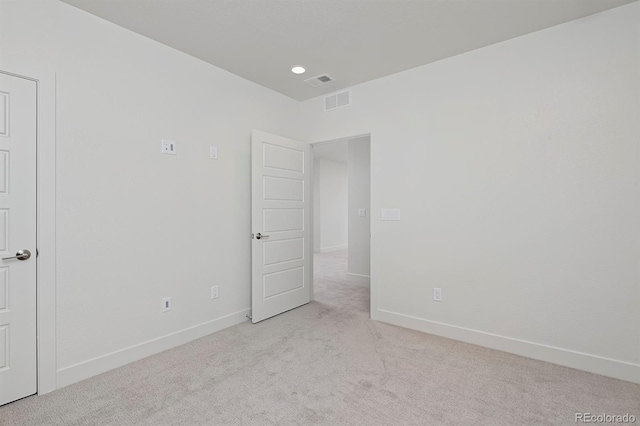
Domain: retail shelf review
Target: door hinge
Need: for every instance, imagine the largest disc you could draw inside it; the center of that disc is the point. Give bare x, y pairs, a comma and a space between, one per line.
252, 236
37, 252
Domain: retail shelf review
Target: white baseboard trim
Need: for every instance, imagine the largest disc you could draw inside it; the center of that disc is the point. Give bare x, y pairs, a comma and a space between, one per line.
332, 248
83, 370
581, 361
364, 279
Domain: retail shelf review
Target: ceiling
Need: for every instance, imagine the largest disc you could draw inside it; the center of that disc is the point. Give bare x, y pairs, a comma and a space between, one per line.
353, 41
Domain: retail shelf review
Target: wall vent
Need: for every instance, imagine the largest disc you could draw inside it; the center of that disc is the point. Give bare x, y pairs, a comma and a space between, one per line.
319, 80
337, 100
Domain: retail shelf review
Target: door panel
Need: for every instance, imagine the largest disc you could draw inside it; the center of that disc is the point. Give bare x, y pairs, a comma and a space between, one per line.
279, 157
281, 282
283, 251
17, 232
283, 220
283, 189
280, 210
4, 114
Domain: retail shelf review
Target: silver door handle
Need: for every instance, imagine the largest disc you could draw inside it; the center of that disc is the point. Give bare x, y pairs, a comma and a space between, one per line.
259, 236
20, 255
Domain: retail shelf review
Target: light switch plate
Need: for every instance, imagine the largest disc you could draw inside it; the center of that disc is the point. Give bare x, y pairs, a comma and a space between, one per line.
166, 304
168, 147
437, 294
213, 152
390, 214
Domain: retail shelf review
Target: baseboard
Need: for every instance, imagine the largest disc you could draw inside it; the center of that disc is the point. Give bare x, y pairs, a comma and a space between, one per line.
332, 248
578, 360
84, 370
364, 279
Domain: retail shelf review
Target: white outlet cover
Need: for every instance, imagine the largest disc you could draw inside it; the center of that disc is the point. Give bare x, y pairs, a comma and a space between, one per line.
214, 292
213, 152
362, 212
168, 147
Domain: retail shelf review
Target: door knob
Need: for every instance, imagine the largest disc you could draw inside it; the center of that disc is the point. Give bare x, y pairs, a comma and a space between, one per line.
259, 236
20, 255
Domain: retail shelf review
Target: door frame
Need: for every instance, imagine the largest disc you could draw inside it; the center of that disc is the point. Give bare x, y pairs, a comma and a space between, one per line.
373, 224
45, 218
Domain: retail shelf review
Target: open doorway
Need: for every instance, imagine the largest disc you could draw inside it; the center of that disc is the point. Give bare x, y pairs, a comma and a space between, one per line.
341, 224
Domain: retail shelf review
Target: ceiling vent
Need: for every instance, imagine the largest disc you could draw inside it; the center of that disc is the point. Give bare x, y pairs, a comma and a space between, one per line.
319, 80
337, 100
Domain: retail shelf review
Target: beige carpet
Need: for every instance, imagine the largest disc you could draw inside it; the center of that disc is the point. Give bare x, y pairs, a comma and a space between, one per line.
326, 363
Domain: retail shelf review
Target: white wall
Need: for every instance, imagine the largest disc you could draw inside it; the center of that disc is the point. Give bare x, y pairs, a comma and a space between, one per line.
517, 171
134, 226
359, 198
516, 168
317, 236
330, 213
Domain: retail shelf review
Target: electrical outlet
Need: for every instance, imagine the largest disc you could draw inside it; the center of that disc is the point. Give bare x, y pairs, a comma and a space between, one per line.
437, 294
166, 304
214, 292
168, 147
213, 152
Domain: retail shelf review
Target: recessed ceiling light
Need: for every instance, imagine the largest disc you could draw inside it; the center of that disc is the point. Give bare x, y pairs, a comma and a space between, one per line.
298, 69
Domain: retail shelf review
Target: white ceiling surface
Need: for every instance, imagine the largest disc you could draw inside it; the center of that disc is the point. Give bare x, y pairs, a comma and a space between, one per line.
353, 41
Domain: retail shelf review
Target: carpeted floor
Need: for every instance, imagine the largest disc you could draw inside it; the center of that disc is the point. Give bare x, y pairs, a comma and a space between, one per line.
327, 363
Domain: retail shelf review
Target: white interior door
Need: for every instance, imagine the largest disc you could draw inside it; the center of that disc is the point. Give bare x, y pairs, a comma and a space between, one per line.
282, 263
17, 238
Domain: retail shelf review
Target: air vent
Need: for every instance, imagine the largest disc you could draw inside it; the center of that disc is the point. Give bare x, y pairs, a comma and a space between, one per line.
319, 80
337, 100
